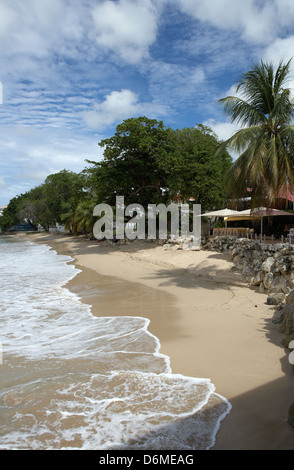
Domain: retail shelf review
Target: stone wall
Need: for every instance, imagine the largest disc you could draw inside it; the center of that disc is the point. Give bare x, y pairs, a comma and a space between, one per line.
270, 268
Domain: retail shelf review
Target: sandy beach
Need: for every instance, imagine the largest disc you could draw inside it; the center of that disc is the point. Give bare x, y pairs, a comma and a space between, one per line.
208, 322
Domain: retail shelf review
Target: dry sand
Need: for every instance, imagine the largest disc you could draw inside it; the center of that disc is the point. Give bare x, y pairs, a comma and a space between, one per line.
208, 321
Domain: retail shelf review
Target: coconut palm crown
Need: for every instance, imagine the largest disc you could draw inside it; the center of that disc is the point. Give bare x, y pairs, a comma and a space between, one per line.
265, 144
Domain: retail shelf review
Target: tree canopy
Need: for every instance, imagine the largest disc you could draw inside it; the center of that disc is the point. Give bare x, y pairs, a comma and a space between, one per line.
194, 169
148, 163
45, 204
130, 164
144, 161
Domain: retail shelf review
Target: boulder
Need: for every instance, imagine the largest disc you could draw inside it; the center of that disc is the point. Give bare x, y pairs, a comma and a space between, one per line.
280, 284
275, 299
290, 297
268, 264
287, 325
257, 279
267, 280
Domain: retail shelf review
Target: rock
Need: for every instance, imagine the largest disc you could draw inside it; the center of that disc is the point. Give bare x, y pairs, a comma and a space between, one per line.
257, 280
287, 325
290, 297
261, 288
275, 299
269, 267
280, 284
268, 264
267, 280
206, 246
184, 243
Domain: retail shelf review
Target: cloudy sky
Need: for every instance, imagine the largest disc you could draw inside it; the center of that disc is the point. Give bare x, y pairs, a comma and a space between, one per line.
71, 70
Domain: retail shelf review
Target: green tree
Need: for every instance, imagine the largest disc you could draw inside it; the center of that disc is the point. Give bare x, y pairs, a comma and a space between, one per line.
80, 219
130, 165
64, 189
194, 169
28, 212
266, 142
43, 205
10, 213
34, 208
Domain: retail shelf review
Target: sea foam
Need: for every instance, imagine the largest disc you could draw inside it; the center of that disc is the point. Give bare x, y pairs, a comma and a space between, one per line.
74, 380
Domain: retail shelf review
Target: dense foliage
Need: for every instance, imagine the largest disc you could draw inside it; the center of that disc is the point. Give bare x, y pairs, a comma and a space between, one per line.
144, 162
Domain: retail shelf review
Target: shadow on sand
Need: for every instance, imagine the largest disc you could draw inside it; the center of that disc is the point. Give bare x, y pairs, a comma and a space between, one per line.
200, 275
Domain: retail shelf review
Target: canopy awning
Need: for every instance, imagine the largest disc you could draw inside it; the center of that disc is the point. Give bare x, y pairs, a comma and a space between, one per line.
259, 213
221, 213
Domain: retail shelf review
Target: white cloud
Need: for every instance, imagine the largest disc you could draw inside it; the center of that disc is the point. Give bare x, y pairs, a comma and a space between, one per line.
31, 154
59, 57
34, 29
224, 130
10, 20
173, 84
251, 19
280, 49
46, 12
285, 12
119, 105
126, 27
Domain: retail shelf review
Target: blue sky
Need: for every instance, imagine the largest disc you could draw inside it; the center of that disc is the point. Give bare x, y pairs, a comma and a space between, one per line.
72, 70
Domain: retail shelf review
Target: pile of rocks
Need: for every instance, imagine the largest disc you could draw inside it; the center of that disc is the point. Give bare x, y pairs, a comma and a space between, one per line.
287, 324
268, 267
182, 243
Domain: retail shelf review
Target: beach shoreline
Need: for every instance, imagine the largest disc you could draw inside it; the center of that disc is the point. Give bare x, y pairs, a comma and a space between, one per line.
208, 322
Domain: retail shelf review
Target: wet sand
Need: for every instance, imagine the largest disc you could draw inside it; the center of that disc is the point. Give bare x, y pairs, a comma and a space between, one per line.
208, 321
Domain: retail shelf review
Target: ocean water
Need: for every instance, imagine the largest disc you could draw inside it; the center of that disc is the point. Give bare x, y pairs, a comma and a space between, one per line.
72, 380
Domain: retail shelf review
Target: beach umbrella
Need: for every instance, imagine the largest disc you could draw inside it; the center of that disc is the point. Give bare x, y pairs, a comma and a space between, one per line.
259, 213
221, 213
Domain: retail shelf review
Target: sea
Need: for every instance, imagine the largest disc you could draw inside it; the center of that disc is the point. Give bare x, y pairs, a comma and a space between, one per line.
74, 380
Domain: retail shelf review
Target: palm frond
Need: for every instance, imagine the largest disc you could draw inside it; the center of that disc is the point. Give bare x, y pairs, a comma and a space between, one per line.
241, 111
266, 143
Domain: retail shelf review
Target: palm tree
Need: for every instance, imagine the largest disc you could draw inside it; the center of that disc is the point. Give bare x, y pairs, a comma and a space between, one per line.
70, 220
84, 218
80, 219
266, 141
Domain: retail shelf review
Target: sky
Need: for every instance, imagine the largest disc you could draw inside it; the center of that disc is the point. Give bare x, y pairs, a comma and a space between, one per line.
72, 70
